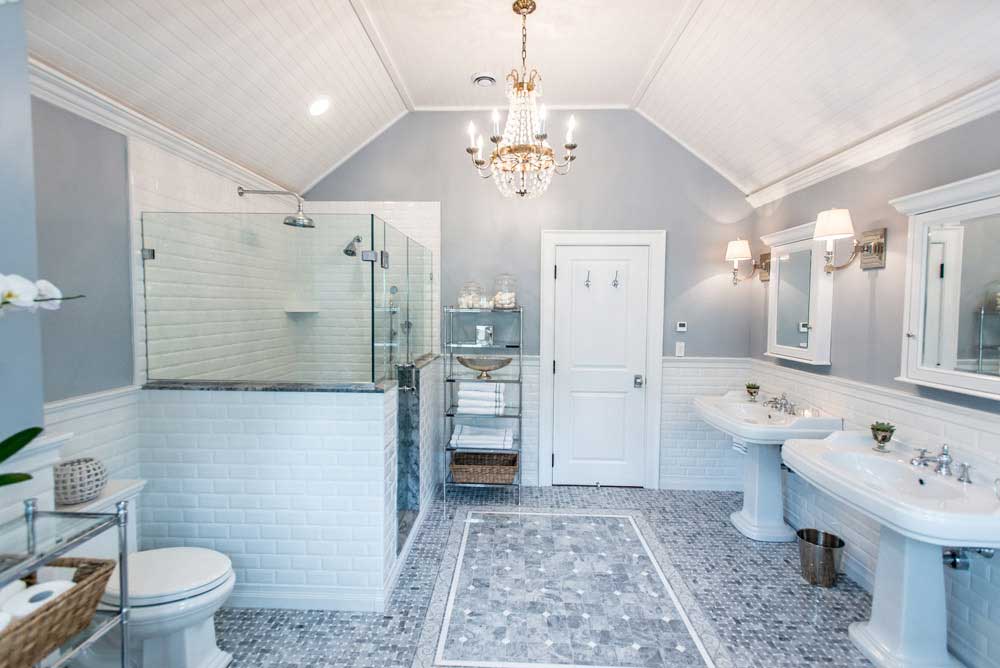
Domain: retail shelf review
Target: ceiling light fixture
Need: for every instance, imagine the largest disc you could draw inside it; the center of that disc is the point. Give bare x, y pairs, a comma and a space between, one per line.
319, 106
522, 161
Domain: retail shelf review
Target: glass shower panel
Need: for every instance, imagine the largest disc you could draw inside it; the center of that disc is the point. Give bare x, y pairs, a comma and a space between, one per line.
241, 297
391, 310
420, 304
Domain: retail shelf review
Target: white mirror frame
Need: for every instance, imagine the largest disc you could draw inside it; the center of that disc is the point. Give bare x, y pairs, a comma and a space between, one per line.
971, 198
820, 297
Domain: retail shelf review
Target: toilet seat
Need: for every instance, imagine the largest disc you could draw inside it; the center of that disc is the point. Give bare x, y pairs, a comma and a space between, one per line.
169, 574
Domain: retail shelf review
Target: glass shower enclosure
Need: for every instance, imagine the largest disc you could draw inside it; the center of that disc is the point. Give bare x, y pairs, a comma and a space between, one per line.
242, 297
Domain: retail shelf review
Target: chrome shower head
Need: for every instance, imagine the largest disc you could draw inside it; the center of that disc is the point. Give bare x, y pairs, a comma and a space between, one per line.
300, 219
351, 249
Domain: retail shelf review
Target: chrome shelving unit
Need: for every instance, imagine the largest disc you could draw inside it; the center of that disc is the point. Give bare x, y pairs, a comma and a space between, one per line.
459, 331
42, 536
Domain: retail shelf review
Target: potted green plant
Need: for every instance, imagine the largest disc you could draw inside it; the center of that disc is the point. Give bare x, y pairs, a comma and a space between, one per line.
882, 433
9, 447
753, 389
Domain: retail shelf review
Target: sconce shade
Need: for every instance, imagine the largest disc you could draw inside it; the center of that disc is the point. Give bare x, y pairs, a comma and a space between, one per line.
833, 224
738, 250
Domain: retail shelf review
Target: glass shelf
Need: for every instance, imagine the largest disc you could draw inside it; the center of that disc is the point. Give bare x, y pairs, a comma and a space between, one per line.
498, 346
103, 621
24, 550
471, 378
455, 309
461, 448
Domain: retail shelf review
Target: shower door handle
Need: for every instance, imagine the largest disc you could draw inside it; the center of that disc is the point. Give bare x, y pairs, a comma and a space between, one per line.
638, 381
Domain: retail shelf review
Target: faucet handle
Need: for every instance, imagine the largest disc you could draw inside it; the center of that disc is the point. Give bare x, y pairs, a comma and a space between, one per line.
944, 449
964, 474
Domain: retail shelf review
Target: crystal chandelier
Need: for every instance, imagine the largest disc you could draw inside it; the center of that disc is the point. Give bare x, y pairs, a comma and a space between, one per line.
522, 161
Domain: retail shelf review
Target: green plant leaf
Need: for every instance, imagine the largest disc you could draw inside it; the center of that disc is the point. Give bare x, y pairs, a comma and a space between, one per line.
10, 446
13, 478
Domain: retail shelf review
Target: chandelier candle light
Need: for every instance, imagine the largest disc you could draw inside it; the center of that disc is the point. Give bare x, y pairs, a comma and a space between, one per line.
522, 161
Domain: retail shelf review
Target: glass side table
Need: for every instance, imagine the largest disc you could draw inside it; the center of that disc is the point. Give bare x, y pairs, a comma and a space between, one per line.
40, 536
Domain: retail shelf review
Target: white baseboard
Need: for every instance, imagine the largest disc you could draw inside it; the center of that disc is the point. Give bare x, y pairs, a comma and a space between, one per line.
306, 597
700, 484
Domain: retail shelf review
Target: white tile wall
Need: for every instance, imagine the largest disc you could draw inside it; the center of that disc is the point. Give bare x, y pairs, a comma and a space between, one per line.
104, 425
974, 436
694, 455
431, 426
292, 486
390, 479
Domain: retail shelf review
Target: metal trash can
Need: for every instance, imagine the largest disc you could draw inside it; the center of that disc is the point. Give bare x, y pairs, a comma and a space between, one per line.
820, 554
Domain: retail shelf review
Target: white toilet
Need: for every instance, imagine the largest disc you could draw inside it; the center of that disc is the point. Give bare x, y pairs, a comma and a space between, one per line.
174, 594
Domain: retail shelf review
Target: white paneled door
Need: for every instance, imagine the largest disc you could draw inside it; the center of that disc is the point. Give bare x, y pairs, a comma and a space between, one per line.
600, 328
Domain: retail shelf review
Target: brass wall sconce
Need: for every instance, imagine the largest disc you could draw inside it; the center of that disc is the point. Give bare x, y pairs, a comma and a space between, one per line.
836, 224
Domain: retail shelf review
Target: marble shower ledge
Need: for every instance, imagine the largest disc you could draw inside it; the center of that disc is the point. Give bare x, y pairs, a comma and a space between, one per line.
264, 386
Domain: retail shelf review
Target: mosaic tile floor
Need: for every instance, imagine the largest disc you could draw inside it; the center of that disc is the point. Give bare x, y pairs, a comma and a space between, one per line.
749, 593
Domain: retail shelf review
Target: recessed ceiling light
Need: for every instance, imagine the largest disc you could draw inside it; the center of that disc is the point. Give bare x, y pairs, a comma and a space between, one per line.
483, 80
319, 105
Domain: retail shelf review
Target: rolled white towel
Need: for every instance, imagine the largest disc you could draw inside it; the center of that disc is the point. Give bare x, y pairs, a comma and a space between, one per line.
9, 590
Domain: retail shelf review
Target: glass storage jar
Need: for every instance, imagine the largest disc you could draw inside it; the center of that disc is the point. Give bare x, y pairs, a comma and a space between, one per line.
505, 292
470, 295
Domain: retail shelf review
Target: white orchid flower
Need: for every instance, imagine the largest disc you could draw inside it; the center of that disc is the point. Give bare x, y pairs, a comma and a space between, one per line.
49, 292
19, 292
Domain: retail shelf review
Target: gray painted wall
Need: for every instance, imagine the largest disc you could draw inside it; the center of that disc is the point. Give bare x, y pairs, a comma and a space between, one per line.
20, 340
629, 175
81, 183
868, 306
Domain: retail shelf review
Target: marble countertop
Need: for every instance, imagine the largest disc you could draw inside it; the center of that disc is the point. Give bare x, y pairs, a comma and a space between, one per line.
267, 386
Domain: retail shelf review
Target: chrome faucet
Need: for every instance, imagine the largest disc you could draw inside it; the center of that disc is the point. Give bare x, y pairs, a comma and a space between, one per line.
782, 403
943, 461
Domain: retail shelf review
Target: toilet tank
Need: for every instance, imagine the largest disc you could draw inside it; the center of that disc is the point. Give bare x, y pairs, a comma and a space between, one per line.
105, 545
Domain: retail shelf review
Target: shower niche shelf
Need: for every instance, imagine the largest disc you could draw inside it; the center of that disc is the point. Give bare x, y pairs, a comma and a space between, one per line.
305, 309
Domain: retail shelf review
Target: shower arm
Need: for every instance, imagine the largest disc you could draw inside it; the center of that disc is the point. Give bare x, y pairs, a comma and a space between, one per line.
241, 191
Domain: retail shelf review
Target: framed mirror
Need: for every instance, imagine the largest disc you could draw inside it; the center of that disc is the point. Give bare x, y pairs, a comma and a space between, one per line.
951, 334
800, 297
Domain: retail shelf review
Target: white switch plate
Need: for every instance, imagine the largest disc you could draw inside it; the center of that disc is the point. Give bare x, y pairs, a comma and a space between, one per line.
682, 326
679, 349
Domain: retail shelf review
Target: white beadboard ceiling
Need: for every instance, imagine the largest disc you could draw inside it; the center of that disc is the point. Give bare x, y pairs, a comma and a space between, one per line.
774, 94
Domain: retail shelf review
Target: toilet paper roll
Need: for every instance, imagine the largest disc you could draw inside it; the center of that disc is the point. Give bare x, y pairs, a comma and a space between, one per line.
34, 597
15, 587
5, 619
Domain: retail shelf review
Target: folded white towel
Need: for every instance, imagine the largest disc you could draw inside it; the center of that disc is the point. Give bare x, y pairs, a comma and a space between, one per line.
471, 436
477, 410
478, 430
476, 403
492, 389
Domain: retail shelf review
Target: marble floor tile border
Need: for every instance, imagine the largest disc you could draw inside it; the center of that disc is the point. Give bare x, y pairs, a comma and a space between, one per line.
702, 633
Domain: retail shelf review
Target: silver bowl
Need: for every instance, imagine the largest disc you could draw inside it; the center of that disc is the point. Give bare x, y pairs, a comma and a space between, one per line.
484, 364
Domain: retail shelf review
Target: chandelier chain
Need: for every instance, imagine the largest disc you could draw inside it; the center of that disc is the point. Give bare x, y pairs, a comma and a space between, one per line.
524, 44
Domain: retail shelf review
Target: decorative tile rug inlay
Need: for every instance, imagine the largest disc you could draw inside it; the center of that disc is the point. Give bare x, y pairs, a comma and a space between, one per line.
554, 588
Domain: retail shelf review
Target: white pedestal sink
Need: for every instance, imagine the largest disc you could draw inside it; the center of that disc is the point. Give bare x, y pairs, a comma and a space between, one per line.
761, 431
920, 512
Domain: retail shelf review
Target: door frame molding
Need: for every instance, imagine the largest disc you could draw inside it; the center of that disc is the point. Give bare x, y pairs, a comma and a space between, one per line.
656, 241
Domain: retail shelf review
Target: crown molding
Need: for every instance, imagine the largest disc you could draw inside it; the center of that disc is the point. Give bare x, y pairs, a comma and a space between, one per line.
789, 235
62, 90
670, 40
983, 186
961, 109
378, 43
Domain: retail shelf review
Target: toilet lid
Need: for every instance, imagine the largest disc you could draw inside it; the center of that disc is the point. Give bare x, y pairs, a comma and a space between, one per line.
169, 574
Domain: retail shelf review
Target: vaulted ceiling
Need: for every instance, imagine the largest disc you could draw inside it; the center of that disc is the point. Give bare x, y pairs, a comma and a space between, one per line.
759, 89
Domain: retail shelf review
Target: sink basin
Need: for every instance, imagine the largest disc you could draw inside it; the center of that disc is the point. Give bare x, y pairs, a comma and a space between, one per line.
755, 423
919, 511
759, 431
911, 500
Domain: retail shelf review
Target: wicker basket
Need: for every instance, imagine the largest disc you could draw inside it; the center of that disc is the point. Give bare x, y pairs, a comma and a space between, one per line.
28, 640
79, 481
496, 468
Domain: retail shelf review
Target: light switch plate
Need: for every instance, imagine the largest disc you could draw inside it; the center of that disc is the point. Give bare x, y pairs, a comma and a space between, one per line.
682, 326
679, 349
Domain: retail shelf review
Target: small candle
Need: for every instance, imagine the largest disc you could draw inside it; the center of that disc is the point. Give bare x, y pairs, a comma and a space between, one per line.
542, 116
479, 147
472, 134
496, 123
570, 126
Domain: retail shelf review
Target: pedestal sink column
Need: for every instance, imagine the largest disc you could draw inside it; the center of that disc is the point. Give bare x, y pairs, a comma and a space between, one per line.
763, 514
908, 627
